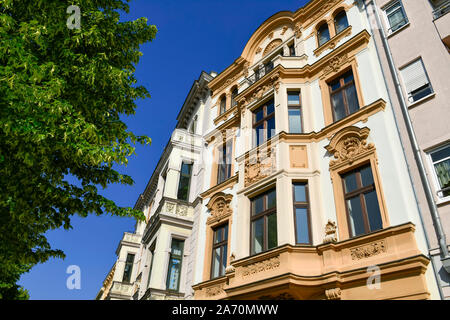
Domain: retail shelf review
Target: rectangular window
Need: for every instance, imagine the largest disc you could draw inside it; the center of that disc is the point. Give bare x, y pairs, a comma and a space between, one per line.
416, 81
295, 112
219, 251
128, 268
292, 50
441, 164
152, 253
396, 16
263, 233
264, 123
185, 181
344, 98
361, 201
175, 260
301, 213
225, 161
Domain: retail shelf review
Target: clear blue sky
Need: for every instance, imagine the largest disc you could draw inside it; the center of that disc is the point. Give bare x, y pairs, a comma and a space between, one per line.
193, 35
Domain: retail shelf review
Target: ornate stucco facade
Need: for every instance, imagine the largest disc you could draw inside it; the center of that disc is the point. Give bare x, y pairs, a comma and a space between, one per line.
271, 213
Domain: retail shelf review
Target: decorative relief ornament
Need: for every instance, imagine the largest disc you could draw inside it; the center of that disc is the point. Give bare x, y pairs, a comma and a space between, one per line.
348, 144
182, 210
170, 207
369, 250
257, 267
283, 31
260, 165
298, 30
330, 232
333, 294
258, 51
214, 291
275, 43
271, 35
335, 64
220, 207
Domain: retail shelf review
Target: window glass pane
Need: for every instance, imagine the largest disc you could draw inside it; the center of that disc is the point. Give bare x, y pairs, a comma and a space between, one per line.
443, 174
350, 182
338, 106
355, 215
373, 210
272, 230
258, 205
441, 154
216, 262
352, 99
335, 85
295, 122
366, 176
258, 235
270, 108
323, 34
348, 77
396, 17
259, 134
293, 98
341, 22
174, 274
270, 128
301, 219
300, 192
225, 233
177, 247
421, 92
218, 235
224, 260
259, 114
272, 200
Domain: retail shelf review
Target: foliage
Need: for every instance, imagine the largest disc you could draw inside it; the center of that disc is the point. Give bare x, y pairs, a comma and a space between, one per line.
62, 92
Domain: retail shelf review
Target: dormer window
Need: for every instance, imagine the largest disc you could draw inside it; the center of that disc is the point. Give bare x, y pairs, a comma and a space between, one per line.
323, 34
340, 22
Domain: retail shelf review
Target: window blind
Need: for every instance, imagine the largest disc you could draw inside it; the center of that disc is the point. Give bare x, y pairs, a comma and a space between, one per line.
414, 76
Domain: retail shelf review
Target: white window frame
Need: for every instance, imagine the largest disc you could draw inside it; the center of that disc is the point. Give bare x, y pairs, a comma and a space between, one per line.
437, 186
386, 19
408, 94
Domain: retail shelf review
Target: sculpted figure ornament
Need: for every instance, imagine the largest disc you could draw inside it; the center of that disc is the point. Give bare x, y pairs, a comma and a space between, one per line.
330, 232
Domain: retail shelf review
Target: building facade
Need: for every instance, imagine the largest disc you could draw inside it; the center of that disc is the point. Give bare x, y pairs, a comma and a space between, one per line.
299, 187
413, 41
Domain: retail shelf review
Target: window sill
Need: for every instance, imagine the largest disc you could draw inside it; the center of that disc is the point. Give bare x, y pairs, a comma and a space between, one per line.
443, 201
332, 43
398, 30
416, 103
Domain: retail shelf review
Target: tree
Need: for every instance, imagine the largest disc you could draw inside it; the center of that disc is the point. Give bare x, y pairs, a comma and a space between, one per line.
62, 92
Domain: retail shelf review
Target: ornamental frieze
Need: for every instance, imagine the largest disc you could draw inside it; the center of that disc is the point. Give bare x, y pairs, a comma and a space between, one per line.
367, 251
262, 266
220, 207
215, 291
260, 165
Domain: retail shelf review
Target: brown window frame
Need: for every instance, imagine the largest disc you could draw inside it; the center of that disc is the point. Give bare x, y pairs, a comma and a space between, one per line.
264, 121
360, 191
265, 213
296, 107
299, 204
343, 86
221, 245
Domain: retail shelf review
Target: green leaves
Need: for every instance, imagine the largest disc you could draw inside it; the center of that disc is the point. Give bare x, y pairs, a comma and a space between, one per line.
62, 93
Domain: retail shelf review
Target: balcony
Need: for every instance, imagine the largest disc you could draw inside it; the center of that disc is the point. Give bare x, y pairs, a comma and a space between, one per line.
332, 270
442, 21
121, 290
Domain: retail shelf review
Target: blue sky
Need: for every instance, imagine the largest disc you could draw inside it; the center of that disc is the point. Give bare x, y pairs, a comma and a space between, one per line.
193, 35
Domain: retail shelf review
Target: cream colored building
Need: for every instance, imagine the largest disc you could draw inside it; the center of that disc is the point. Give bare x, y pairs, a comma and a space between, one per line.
302, 189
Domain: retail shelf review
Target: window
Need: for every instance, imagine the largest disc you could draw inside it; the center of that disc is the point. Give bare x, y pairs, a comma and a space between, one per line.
295, 112
301, 213
225, 160
264, 123
323, 34
396, 16
344, 99
219, 251
234, 94
223, 105
340, 22
152, 253
441, 164
263, 233
128, 268
175, 260
185, 181
416, 81
361, 201
193, 126
291, 50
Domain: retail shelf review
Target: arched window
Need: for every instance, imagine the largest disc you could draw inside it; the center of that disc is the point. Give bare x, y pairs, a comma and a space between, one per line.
340, 22
234, 94
323, 34
223, 104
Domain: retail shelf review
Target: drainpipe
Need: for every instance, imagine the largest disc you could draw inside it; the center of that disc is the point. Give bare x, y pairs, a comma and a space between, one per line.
445, 258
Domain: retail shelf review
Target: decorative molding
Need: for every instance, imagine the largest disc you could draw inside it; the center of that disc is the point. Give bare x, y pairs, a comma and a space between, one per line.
348, 144
220, 207
260, 165
283, 31
272, 45
282, 296
333, 294
298, 156
330, 232
332, 43
262, 266
367, 251
298, 30
214, 291
335, 64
